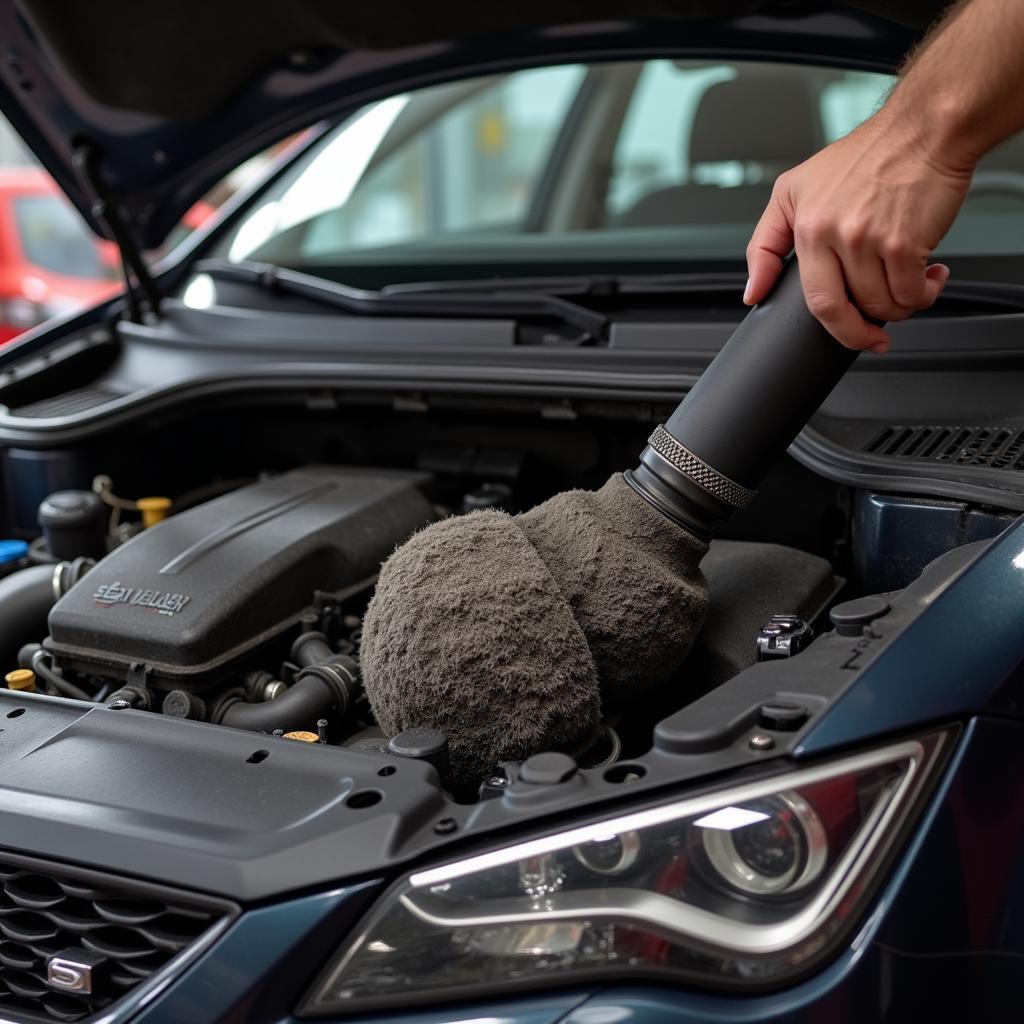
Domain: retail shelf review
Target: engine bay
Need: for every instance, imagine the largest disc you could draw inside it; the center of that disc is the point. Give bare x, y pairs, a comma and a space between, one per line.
245, 610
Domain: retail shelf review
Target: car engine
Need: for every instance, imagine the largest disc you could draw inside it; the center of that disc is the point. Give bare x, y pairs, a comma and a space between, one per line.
236, 611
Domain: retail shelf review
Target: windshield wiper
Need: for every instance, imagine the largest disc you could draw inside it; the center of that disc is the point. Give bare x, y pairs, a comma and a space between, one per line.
598, 286
468, 302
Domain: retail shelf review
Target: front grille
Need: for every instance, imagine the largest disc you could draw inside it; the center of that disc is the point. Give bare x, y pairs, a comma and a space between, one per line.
989, 447
43, 912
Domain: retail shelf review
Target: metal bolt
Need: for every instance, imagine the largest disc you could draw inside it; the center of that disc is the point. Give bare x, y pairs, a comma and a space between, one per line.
446, 826
761, 741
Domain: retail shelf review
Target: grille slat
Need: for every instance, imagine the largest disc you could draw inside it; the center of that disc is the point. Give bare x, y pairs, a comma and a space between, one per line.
44, 913
986, 447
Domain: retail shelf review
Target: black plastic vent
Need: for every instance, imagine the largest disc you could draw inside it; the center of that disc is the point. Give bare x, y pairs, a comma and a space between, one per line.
67, 404
988, 447
44, 913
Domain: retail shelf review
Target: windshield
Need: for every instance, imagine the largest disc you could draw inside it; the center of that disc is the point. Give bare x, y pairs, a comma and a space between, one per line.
637, 161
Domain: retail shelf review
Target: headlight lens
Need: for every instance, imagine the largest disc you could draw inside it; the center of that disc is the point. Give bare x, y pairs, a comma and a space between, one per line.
741, 886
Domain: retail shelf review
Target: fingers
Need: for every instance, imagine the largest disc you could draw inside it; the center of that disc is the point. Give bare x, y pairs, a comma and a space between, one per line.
868, 285
907, 275
770, 243
937, 276
821, 274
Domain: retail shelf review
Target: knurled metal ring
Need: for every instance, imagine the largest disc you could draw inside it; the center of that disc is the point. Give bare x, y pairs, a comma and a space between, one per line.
704, 476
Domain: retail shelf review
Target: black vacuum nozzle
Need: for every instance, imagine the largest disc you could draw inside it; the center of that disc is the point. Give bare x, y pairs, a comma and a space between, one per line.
707, 459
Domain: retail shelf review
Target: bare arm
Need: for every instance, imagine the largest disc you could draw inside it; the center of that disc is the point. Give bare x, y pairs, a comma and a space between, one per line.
866, 212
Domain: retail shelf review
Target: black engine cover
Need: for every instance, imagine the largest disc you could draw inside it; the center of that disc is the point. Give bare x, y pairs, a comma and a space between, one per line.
190, 598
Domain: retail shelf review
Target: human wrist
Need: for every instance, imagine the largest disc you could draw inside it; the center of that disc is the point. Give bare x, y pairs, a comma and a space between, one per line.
937, 127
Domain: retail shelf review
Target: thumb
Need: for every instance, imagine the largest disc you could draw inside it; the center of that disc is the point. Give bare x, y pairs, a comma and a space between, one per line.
770, 243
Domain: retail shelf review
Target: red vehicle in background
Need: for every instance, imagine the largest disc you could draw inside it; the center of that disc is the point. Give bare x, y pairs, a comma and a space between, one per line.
50, 264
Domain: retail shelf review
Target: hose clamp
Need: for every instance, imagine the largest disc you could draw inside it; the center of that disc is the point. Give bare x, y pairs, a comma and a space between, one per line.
696, 469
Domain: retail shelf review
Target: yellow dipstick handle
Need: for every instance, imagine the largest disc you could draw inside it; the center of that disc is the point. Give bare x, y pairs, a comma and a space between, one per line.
154, 510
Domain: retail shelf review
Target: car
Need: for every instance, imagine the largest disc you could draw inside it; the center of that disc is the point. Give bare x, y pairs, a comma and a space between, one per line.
50, 263
500, 247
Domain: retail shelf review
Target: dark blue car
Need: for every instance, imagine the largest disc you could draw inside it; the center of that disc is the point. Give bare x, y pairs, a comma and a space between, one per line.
465, 258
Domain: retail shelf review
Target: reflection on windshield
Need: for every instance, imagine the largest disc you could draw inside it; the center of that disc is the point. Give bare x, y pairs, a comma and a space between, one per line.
324, 184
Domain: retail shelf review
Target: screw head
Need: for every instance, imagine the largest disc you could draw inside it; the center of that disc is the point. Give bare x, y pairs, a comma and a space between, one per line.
446, 826
761, 741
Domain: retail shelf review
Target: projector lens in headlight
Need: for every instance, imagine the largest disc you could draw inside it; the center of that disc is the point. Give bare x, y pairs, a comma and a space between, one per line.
783, 848
744, 885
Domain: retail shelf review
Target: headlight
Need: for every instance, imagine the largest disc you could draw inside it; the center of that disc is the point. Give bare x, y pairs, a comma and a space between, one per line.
743, 886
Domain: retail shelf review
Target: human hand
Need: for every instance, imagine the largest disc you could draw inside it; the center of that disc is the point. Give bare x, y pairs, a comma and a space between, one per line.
864, 215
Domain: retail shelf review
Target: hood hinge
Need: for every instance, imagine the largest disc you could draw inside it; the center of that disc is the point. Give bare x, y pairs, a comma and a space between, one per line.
142, 293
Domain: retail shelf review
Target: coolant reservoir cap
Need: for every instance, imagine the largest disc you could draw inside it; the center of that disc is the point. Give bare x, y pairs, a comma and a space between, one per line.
12, 550
69, 508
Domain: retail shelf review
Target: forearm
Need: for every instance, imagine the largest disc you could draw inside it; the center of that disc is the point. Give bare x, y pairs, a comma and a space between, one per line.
962, 91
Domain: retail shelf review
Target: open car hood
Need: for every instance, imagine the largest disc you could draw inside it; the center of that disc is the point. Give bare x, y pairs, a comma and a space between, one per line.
161, 101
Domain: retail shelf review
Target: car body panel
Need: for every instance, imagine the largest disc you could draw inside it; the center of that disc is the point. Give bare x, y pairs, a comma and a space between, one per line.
158, 167
962, 655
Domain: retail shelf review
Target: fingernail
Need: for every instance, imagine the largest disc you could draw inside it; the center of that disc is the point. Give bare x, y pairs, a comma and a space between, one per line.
746, 293
880, 349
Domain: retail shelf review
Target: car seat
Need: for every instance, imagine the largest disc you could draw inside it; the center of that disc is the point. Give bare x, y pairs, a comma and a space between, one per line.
772, 121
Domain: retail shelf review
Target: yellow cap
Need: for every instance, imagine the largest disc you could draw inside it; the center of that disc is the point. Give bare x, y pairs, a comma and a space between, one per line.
154, 510
21, 679
302, 736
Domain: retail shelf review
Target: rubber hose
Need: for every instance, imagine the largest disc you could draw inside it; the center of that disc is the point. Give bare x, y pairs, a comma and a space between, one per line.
26, 597
299, 707
47, 673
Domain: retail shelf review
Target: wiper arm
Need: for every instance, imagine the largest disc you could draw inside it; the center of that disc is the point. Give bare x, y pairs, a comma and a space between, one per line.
593, 286
462, 302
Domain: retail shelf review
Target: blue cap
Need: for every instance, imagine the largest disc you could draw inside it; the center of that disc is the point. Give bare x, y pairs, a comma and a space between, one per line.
12, 550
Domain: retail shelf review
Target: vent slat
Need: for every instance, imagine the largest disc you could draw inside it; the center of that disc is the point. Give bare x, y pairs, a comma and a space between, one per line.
985, 447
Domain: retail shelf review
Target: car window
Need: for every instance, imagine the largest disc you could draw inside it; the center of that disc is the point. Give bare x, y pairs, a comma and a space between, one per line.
623, 161
54, 238
462, 158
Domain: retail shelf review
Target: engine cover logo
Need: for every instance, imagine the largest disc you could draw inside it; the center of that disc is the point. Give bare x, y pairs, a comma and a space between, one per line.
109, 594
74, 970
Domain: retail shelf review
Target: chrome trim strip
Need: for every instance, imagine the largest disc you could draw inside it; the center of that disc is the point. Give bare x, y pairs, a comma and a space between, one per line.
153, 987
670, 917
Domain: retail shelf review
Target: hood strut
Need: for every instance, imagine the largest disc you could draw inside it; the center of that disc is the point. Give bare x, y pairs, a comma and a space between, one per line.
142, 293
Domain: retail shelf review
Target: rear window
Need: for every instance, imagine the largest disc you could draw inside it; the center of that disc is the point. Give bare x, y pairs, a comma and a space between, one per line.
53, 238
